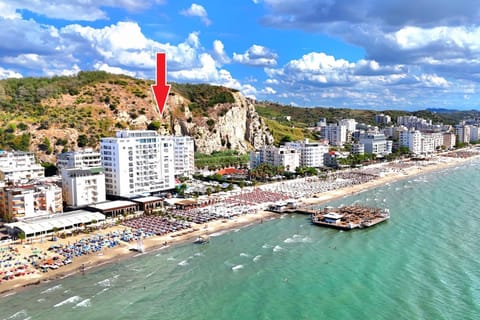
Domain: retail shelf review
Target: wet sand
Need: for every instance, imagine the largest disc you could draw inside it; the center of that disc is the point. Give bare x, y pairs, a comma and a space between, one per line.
111, 255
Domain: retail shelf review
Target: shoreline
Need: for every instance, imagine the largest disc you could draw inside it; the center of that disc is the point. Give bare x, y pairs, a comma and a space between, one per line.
157, 243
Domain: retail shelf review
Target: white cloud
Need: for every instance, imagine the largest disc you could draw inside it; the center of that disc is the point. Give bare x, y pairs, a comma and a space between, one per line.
115, 70
197, 10
257, 55
5, 73
219, 52
8, 11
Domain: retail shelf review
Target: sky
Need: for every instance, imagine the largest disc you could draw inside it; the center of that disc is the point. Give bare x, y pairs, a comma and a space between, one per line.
362, 54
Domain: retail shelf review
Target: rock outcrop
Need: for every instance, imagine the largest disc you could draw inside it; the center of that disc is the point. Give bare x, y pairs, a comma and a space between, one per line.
235, 126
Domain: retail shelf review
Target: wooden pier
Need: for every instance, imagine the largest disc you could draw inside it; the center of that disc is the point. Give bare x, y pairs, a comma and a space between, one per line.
350, 217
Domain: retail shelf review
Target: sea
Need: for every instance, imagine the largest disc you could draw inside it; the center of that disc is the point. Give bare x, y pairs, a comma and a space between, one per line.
423, 263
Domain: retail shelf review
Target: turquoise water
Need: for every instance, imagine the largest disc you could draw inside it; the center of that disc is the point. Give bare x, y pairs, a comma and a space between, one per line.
422, 264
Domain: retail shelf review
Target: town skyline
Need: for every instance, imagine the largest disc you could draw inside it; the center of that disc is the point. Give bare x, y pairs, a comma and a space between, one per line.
363, 55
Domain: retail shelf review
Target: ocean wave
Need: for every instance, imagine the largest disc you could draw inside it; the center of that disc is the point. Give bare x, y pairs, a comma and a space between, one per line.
73, 299
277, 248
83, 304
257, 258
244, 255
219, 233
237, 267
183, 263
51, 289
170, 259
102, 291
104, 283
18, 315
266, 246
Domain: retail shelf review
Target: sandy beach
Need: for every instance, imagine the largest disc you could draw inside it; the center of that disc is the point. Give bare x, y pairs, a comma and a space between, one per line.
388, 172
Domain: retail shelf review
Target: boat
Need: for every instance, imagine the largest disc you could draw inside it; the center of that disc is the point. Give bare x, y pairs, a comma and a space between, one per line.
202, 240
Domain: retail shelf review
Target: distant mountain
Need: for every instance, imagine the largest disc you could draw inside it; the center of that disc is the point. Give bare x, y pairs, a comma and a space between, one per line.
442, 110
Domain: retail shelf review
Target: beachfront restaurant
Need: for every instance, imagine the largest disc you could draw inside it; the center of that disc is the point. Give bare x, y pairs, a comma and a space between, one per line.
113, 209
332, 217
50, 224
149, 203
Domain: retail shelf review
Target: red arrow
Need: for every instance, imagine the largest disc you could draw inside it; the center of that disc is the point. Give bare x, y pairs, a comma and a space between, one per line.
161, 88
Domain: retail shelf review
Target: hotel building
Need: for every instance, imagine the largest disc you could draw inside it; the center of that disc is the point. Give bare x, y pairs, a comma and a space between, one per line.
137, 163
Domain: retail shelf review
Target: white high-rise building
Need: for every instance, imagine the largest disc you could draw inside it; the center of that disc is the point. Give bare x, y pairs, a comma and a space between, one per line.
382, 118
137, 162
350, 124
312, 154
411, 139
19, 166
184, 156
376, 144
336, 135
462, 133
83, 178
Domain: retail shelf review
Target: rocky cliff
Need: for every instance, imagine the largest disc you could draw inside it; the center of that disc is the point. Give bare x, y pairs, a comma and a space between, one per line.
235, 126
51, 115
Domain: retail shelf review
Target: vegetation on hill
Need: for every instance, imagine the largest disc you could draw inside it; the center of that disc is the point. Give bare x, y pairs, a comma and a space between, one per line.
203, 96
221, 159
285, 133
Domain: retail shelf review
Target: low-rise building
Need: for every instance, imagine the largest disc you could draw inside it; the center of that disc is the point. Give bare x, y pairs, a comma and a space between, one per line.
20, 166
27, 201
289, 158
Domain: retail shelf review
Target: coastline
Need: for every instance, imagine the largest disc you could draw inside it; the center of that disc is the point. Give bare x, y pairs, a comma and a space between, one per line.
155, 243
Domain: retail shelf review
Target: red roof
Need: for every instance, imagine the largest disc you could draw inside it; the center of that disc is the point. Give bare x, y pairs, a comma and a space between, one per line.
227, 171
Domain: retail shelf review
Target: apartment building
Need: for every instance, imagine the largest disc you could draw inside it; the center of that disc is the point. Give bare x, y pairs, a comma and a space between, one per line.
26, 201
184, 156
289, 158
19, 166
312, 154
83, 178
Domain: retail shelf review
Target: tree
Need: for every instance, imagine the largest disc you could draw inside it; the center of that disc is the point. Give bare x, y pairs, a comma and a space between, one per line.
22, 236
154, 125
82, 141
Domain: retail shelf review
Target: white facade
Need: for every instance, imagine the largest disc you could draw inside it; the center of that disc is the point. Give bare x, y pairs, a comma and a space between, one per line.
86, 158
474, 133
137, 162
336, 135
289, 158
462, 133
83, 186
449, 140
382, 118
83, 178
411, 139
184, 149
19, 166
376, 144
350, 124
358, 148
312, 154
26, 201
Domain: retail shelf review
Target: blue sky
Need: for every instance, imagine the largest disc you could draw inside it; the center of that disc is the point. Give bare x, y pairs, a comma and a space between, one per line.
375, 54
